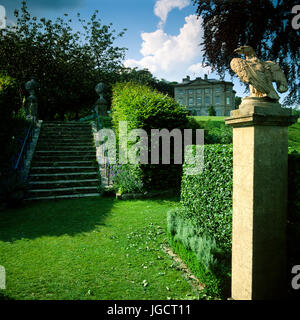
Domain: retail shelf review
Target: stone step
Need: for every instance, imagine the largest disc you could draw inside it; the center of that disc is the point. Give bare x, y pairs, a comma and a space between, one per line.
62, 137
62, 191
60, 133
47, 163
73, 196
66, 124
64, 164
64, 184
36, 170
64, 157
40, 147
63, 176
67, 142
58, 153
52, 143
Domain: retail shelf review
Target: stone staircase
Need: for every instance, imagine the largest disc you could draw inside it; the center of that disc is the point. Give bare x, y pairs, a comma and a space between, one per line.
64, 163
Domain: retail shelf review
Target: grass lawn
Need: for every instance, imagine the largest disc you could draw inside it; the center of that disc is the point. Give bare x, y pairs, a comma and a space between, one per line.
294, 130
294, 136
97, 248
206, 118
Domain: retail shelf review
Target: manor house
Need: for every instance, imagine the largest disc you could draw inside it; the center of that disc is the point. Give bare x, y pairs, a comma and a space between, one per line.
199, 94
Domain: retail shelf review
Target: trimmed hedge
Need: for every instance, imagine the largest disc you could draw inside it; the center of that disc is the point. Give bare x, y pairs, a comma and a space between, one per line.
206, 207
207, 197
144, 108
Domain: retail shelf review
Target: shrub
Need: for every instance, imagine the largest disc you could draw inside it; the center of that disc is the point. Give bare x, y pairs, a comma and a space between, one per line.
205, 215
204, 246
218, 135
212, 111
207, 197
146, 109
10, 99
215, 132
127, 178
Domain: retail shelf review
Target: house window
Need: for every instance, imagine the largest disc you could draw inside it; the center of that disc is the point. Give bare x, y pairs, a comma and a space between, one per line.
180, 91
207, 90
227, 100
191, 91
218, 89
198, 91
191, 101
218, 100
181, 101
207, 100
227, 89
198, 101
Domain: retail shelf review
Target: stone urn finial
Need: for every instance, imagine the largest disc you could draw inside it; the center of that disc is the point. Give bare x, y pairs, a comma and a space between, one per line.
31, 87
101, 103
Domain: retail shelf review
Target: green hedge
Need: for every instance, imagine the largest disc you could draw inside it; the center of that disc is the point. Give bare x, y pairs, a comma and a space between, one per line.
207, 197
206, 208
144, 108
215, 131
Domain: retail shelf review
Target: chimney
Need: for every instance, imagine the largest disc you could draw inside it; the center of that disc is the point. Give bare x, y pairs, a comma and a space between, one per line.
186, 80
205, 76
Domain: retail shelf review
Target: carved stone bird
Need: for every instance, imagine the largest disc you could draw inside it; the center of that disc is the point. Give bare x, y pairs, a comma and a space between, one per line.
259, 74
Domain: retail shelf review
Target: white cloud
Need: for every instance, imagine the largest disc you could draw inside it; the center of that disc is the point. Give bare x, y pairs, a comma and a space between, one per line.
163, 7
166, 55
199, 68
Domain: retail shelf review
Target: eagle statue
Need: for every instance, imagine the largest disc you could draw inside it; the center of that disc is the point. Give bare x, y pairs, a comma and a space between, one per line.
259, 74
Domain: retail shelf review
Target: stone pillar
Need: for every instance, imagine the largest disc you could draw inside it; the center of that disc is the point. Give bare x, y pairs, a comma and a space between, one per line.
260, 159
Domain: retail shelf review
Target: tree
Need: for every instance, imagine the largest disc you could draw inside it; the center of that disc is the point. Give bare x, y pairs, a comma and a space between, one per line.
145, 77
296, 112
212, 111
237, 102
263, 24
67, 64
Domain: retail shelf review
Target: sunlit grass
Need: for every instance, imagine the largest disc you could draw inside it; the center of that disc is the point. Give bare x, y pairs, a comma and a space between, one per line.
97, 248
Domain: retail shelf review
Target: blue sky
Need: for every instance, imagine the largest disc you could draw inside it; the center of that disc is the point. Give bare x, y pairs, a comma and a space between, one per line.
162, 35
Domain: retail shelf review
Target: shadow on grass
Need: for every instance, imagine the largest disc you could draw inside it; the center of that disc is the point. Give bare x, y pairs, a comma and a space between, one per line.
53, 218
5, 297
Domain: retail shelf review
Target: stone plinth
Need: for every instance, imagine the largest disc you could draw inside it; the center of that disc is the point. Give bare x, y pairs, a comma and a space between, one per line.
260, 158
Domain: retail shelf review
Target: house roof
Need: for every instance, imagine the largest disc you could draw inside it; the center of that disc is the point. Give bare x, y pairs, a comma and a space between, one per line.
200, 81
